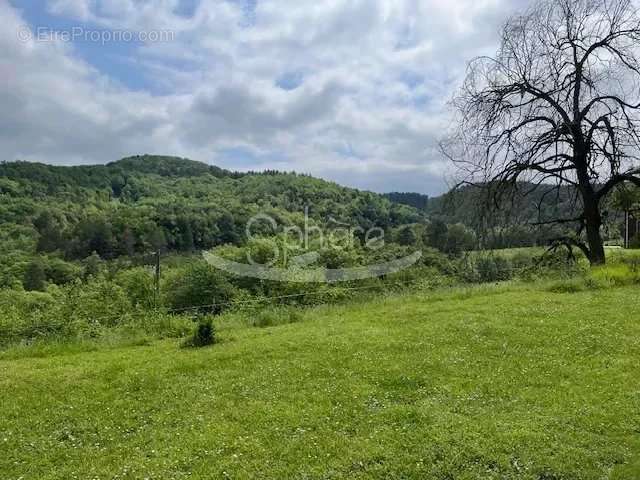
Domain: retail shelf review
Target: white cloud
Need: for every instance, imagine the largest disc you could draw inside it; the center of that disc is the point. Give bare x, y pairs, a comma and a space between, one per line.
372, 78
79, 9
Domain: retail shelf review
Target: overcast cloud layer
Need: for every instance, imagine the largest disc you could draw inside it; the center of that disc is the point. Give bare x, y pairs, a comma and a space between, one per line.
350, 90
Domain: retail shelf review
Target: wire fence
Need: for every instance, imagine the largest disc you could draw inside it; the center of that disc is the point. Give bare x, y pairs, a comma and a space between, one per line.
334, 291
257, 301
293, 295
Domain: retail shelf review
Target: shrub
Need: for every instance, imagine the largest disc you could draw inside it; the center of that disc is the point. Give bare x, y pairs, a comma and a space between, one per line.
459, 239
60, 272
433, 258
200, 287
523, 260
203, 335
493, 268
27, 316
559, 263
138, 283
95, 303
407, 236
93, 265
465, 270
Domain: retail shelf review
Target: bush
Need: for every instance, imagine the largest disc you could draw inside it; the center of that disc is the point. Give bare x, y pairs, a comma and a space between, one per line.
558, 263
459, 239
200, 287
25, 315
493, 269
60, 272
407, 236
524, 260
483, 269
94, 304
433, 258
465, 270
203, 335
138, 283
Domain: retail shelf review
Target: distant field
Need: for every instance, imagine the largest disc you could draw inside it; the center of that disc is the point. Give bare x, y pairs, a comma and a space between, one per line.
512, 252
613, 252
492, 383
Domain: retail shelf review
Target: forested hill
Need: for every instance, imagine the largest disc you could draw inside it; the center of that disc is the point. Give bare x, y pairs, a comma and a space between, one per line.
146, 202
462, 205
412, 199
60, 178
528, 204
514, 222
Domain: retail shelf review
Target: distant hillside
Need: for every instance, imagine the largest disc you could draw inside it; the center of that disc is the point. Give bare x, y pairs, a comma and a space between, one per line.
415, 200
141, 203
102, 176
532, 203
169, 167
521, 219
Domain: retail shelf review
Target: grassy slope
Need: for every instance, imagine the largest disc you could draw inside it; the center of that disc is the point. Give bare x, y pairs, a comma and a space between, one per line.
510, 383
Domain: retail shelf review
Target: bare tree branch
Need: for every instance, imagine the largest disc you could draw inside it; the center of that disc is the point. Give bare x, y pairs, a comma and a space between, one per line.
558, 105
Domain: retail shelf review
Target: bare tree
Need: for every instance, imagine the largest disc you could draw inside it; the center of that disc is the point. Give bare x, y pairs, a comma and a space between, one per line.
558, 105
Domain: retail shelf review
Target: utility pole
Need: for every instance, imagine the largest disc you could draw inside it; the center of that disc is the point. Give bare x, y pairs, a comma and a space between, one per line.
626, 229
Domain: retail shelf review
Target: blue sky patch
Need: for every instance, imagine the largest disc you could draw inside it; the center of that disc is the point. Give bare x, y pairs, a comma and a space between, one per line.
290, 80
113, 54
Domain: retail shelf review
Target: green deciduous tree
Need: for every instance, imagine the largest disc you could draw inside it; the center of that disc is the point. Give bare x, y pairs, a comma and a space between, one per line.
200, 287
34, 276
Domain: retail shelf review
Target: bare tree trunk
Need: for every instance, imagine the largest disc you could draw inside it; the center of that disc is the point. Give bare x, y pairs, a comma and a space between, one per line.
592, 216
593, 222
594, 239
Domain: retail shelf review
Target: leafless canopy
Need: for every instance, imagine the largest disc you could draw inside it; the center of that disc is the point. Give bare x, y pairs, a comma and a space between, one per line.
559, 104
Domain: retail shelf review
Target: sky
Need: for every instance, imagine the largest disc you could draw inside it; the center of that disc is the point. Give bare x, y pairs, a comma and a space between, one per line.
354, 91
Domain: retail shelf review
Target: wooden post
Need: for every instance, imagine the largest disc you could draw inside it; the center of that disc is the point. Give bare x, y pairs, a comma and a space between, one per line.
626, 229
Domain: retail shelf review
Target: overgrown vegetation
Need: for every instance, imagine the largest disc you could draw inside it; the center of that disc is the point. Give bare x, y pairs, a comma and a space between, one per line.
126, 305
79, 242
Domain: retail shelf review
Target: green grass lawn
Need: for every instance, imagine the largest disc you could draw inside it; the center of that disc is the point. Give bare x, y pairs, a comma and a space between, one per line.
492, 383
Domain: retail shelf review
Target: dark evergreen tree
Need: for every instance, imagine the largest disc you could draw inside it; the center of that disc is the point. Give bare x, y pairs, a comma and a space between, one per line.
437, 233
407, 236
50, 232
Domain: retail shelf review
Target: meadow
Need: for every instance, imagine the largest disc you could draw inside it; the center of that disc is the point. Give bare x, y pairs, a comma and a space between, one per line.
502, 381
